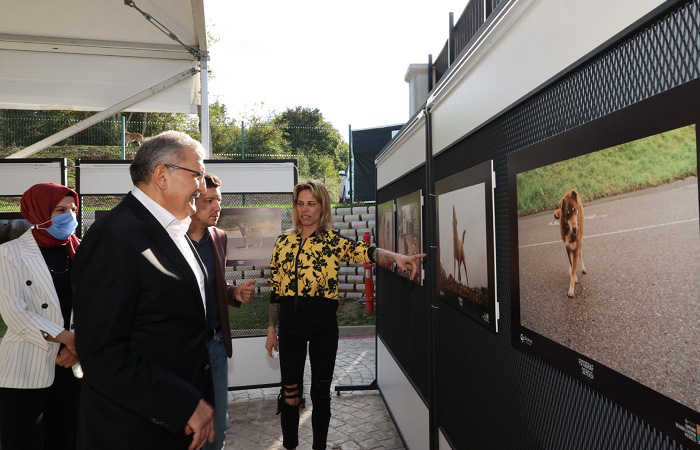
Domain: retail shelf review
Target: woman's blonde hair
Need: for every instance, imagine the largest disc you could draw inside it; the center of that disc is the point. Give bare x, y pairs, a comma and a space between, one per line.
322, 196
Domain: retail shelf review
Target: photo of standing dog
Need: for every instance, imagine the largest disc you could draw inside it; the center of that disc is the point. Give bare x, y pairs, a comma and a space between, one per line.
458, 258
570, 217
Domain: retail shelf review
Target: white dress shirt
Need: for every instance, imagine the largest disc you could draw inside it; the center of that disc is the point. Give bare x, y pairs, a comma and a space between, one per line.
177, 229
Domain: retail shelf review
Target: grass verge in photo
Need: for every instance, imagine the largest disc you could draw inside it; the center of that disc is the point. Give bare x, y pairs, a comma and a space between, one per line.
629, 167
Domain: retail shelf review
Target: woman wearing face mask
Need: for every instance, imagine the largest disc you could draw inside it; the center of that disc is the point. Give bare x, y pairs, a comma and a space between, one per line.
38, 390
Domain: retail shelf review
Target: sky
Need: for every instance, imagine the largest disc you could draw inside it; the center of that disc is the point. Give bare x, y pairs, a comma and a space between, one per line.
348, 59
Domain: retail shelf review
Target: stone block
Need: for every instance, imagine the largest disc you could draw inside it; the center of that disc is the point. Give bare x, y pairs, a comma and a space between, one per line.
346, 287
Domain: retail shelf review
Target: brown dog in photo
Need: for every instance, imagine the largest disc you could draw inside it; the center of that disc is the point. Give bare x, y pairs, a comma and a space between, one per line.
570, 216
459, 258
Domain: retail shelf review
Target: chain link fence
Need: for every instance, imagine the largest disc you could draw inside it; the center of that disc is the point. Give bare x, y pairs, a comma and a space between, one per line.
319, 151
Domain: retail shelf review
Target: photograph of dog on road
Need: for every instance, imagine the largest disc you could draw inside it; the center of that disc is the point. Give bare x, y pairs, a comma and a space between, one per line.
635, 310
385, 220
409, 231
570, 217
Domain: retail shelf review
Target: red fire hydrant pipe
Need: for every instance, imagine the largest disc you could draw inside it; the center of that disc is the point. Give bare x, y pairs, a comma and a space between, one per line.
369, 284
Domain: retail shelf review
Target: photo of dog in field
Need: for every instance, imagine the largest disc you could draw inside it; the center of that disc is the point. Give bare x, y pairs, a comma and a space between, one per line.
409, 230
631, 302
462, 244
570, 217
385, 220
251, 234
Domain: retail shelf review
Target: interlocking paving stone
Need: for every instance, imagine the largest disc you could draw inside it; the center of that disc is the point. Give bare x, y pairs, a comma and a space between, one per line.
359, 418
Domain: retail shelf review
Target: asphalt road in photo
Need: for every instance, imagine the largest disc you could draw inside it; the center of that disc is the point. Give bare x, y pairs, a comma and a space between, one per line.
637, 310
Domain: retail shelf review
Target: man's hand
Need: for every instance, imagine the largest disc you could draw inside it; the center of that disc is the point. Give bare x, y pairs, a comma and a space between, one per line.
66, 358
202, 425
271, 342
244, 292
65, 337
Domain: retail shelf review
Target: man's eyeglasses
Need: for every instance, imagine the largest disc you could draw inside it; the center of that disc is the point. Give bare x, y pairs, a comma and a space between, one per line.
199, 177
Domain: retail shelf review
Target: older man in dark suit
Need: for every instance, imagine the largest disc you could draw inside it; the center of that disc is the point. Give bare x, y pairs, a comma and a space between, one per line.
140, 312
210, 243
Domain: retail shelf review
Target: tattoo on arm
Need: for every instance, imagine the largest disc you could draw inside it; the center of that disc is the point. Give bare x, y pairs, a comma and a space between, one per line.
382, 256
274, 314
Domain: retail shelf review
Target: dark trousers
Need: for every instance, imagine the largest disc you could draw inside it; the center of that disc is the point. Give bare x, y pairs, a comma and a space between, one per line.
41, 419
323, 346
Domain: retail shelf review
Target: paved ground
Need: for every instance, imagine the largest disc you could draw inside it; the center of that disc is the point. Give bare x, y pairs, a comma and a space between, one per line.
360, 419
636, 310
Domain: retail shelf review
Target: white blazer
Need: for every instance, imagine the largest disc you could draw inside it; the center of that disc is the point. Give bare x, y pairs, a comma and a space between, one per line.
28, 304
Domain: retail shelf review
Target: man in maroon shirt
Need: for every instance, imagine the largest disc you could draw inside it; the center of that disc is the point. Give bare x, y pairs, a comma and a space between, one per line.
210, 243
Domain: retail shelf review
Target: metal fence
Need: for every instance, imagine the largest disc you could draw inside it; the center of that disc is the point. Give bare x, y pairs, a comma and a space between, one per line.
474, 16
319, 151
20, 129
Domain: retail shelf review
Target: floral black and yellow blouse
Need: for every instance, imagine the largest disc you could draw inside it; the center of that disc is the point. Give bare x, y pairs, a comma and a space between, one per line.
311, 269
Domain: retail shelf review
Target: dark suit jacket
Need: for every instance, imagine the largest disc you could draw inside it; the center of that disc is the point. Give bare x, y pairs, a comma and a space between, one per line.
224, 291
140, 333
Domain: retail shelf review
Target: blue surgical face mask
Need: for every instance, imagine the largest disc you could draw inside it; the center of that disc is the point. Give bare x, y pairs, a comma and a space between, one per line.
63, 225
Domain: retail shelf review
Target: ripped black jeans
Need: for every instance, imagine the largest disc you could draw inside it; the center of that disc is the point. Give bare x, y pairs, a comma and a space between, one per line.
311, 321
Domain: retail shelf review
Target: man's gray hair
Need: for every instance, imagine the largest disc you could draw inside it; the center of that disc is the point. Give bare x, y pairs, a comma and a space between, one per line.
166, 148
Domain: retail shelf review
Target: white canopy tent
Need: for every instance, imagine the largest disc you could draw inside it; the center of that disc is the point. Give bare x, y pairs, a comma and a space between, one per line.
105, 56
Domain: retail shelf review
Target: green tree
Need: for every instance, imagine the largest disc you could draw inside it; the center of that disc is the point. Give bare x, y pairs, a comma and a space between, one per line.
308, 134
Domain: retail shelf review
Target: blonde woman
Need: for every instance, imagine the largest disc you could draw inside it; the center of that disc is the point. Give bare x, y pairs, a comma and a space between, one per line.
305, 265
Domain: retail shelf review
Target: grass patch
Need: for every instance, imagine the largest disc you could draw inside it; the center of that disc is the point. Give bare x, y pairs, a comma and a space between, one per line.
632, 166
254, 315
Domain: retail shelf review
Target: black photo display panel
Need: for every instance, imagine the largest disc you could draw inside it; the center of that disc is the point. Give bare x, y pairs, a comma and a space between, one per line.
466, 243
617, 200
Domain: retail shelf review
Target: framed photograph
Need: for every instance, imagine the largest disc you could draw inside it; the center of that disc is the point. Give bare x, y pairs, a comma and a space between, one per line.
466, 243
409, 230
604, 252
12, 226
385, 229
251, 234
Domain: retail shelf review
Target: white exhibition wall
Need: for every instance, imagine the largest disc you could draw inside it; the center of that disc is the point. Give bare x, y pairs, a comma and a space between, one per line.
17, 177
405, 405
529, 44
250, 364
404, 152
102, 178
